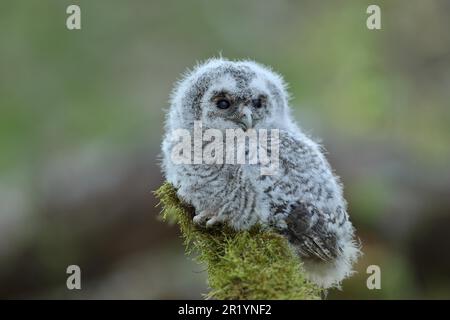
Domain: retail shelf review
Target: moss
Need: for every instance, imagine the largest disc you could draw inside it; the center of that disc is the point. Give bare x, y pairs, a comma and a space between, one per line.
253, 264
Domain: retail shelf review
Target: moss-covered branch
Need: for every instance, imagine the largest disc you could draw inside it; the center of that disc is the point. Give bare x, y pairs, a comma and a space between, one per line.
254, 264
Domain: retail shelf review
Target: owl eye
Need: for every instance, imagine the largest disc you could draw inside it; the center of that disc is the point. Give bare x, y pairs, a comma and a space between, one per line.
223, 104
257, 103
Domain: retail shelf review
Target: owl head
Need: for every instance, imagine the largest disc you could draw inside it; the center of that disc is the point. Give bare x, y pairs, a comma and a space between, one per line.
225, 94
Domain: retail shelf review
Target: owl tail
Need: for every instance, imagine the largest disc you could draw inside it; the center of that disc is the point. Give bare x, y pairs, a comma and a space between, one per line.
326, 248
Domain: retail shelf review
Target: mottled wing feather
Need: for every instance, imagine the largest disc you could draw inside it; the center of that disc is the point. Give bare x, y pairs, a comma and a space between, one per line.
306, 229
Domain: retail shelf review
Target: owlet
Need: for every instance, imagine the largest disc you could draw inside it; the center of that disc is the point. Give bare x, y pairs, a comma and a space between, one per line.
283, 180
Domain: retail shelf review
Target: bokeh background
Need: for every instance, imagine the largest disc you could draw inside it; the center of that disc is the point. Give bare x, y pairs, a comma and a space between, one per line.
81, 125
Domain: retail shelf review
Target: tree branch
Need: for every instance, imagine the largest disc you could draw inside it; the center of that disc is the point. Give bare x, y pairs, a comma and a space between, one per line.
254, 264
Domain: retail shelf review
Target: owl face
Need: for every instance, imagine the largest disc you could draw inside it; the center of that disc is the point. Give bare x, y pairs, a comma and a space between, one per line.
229, 104
225, 94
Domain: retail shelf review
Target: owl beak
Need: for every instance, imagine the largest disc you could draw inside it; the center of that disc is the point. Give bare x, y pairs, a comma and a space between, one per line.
246, 119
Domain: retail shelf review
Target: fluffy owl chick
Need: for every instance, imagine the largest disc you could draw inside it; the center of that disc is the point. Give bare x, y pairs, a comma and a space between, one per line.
302, 199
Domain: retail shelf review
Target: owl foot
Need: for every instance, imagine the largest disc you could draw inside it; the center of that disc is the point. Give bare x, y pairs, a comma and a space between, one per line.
208, 216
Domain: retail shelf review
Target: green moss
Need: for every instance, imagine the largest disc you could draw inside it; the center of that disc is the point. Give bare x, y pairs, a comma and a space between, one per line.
254, 264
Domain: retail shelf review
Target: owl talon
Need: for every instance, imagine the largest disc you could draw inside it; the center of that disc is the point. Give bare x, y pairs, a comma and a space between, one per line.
202, 217
211, 222
198, 219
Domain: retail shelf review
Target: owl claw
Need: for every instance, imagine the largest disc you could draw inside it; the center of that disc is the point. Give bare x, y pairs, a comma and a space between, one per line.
210, 218
211, 222
198, 219
203, 216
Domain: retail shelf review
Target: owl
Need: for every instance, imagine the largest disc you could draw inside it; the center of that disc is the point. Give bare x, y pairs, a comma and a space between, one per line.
302, 199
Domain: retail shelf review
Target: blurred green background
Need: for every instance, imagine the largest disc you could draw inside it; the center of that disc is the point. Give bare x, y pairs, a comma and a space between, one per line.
81, 123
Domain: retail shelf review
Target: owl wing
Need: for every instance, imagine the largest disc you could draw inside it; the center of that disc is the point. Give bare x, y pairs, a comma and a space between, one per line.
307, 229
